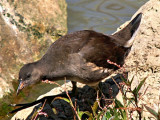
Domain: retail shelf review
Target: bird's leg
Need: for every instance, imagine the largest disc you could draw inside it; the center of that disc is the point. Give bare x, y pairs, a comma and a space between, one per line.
99, 94
99, 91
74, 88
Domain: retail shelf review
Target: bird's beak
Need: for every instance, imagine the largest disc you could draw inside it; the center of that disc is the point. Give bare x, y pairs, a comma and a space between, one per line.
20, 87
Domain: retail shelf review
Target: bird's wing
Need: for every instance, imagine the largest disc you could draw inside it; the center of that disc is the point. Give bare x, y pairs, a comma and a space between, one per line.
90, 61
101, 48
83, 54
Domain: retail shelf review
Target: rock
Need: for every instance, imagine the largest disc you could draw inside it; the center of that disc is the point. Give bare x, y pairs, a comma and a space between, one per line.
144, 58
143, 61
27, 28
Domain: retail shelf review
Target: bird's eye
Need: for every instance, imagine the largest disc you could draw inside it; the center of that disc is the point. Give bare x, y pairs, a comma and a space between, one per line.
28, 75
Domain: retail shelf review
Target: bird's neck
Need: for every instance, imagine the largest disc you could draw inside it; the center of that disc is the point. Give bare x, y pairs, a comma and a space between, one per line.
47, 71
41, 68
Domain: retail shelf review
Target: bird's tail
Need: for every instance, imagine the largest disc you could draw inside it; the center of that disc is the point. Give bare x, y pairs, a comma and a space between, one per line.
125, 37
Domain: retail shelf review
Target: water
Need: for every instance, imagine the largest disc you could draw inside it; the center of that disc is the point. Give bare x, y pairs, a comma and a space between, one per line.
100, 15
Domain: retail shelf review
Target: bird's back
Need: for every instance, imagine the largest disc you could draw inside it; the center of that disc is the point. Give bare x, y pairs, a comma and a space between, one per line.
84, 54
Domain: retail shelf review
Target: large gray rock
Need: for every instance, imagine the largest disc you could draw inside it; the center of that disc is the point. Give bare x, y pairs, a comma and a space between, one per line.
144, 58
27, 28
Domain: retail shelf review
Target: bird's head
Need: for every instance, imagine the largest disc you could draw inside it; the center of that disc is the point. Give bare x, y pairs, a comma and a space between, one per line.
29, 74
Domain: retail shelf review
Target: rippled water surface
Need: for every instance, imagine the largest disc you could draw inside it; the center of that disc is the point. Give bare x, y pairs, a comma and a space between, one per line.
100, 15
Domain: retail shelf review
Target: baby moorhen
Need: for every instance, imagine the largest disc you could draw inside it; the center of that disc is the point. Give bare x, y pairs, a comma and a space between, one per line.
81, 57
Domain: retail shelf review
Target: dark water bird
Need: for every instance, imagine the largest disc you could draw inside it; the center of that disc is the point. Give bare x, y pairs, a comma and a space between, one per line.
81, 57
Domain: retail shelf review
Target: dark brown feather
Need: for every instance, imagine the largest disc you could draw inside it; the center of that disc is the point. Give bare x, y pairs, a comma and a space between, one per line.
82, 56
